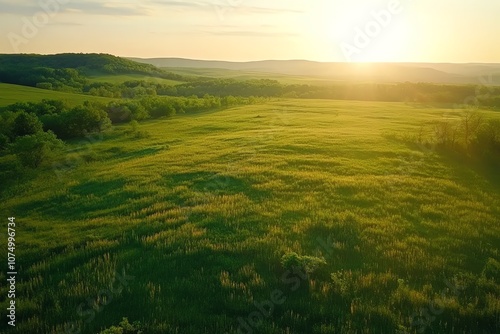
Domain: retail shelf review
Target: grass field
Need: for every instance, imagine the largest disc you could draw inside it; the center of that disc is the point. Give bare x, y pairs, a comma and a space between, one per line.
119, 78
251, 75
198, 213
10, 94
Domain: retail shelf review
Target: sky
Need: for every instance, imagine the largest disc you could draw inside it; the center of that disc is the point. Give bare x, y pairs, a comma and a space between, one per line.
451, 31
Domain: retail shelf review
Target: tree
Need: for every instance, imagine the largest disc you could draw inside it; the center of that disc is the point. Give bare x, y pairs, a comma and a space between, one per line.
445, 133
26, 124
33, 150
85, 119
7, 119
44, 85
470, 123
488, 138
4, 141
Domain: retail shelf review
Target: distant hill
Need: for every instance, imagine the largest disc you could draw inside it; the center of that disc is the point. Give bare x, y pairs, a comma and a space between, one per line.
71, 68
376, 72
86, 63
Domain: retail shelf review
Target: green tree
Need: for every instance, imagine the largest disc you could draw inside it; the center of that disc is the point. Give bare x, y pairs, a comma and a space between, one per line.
86, 119
33, 150
7, 119
26, 124
4, 141
44, 85
470, 123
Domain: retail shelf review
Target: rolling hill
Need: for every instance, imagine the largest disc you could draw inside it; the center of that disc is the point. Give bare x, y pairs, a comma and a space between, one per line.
84, 62
28, 69
377, 72
10, 94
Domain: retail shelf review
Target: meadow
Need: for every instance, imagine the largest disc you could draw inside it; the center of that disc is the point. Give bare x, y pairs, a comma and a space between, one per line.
119, 78
188, 224
10, 94
250, 75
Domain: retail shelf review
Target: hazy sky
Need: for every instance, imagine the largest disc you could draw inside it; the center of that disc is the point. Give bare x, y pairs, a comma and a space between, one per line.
323, 30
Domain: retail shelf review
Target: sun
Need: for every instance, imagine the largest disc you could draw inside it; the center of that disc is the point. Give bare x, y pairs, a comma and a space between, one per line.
364, 35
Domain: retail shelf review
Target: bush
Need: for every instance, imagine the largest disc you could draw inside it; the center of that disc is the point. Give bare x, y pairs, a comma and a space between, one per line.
4, 141
308, 263
44, 85
124, 327
86, 119
492, 269
488, 137
26, 124
33, 150
121, 112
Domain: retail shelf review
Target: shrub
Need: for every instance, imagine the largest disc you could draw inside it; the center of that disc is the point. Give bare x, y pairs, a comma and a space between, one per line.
308, 263
44, 85
488, 137
124, 327
4, 141
492, 269
26, 124
34, 149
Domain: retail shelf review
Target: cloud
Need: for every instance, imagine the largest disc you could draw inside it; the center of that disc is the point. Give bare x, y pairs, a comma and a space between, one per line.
111, 8
71, 24
179, 4
269, 10
224, 5
20, 7
139, 7
248, 33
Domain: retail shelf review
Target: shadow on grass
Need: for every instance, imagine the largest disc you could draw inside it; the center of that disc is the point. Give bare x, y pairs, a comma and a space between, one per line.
87, 200
121, 154
472, 169
214, 183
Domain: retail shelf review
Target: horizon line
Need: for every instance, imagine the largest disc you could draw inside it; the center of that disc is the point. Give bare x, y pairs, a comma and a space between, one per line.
262, 60
318, 61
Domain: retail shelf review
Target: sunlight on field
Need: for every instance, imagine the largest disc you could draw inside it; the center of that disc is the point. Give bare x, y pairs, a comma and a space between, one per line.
206, 204
10, 94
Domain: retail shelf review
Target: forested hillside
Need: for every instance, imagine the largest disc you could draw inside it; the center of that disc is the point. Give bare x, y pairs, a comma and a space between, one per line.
69, 71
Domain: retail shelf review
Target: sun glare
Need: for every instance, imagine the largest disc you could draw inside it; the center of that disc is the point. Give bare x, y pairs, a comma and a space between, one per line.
375, 34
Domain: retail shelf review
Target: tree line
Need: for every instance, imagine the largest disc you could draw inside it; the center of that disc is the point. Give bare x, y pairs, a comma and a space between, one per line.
35, 130
71, 75
483, 96
468, 135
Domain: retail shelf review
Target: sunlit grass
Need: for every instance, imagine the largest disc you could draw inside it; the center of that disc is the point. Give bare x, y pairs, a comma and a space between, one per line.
10, 94
201, 210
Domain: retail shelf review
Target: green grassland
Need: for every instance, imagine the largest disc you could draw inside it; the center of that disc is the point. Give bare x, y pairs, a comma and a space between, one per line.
10, 94
250, 75
200, 209
119, 78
